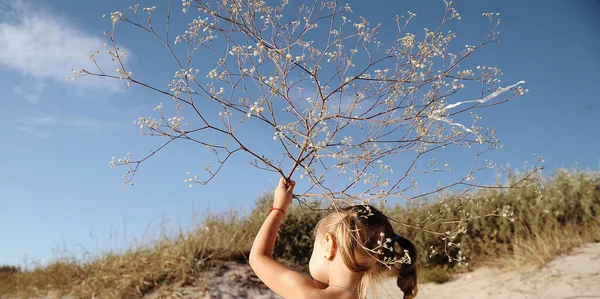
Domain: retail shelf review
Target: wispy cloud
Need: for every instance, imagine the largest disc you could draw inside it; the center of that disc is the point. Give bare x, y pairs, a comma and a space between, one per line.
43, 120
39, 44
35, 132
32, 93
91, 125
83, 124
21, 150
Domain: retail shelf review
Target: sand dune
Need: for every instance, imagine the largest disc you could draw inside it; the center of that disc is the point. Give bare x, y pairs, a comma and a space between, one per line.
576, 275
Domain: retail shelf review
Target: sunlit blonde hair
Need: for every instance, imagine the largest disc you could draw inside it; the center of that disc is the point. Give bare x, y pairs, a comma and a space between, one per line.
367, 243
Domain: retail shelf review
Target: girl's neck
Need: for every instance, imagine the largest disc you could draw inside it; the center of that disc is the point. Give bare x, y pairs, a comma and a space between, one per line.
342, 277
351, 291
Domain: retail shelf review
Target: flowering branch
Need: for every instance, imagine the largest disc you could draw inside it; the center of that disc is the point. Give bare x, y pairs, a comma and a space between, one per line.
362, 119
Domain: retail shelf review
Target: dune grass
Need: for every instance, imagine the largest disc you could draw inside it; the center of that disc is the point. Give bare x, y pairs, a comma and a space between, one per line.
565, 216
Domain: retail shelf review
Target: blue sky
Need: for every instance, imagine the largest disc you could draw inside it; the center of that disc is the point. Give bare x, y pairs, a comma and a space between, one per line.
57, 191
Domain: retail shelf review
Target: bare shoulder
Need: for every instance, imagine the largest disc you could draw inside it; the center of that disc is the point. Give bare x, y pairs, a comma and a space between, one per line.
326, 293
306, 288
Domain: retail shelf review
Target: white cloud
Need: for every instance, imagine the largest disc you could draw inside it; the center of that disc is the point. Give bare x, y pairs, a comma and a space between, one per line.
41, 45
36, 132
91, 125
30, 92
43, 120
82, 124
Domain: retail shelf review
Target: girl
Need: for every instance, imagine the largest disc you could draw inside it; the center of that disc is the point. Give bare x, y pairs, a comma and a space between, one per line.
353, 247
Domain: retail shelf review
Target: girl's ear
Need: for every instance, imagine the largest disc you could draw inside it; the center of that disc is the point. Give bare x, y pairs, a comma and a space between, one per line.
330, 246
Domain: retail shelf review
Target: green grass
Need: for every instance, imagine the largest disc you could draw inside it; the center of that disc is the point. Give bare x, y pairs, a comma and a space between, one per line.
565, 216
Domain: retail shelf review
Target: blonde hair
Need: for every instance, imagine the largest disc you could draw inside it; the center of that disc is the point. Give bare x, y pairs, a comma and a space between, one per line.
367, 243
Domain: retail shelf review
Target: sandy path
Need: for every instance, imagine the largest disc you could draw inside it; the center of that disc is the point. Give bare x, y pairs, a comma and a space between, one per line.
576, 275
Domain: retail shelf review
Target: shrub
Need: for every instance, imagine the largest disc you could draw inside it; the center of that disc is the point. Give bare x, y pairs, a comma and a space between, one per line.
566, 215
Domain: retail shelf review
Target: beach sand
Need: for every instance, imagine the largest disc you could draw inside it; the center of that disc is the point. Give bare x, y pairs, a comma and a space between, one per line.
576, 275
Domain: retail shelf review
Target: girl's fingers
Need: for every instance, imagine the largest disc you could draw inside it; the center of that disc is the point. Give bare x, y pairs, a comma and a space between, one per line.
282, 183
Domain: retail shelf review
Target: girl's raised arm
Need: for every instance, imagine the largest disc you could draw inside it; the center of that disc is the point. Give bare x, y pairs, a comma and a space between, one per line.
277, 277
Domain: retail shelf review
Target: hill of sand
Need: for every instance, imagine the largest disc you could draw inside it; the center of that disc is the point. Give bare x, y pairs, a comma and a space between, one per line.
576, 275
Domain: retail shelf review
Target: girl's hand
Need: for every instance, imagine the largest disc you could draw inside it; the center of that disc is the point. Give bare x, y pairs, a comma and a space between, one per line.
283, 194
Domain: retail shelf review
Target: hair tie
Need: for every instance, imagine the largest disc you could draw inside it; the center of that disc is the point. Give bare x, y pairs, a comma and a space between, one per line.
397, 238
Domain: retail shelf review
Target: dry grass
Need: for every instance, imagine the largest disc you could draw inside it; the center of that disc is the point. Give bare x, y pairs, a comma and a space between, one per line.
139, 270
567, 216
179, 260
